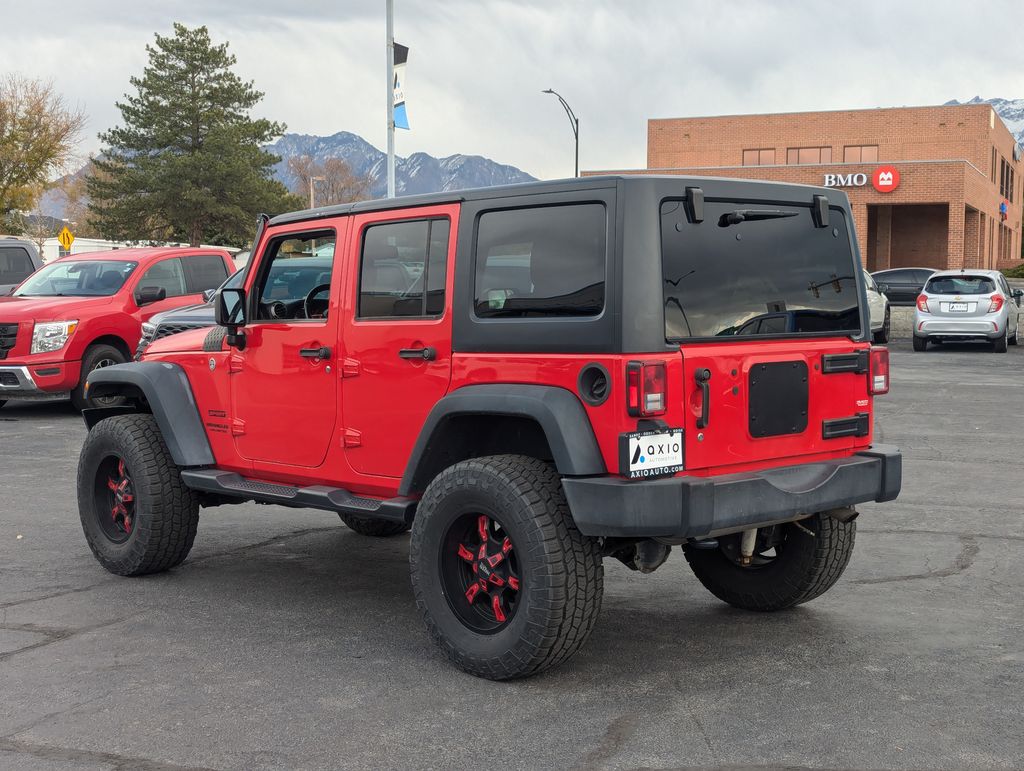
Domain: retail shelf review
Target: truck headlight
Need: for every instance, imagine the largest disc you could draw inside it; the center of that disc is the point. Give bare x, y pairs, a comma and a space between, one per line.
51, 335
148, 330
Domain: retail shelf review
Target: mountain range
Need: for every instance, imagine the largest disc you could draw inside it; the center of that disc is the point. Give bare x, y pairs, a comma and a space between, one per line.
423, 173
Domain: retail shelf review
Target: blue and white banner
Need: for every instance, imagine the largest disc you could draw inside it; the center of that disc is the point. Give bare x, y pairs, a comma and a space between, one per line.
401, 55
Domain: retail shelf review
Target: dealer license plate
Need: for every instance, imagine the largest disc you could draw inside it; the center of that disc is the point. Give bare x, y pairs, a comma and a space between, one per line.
958, 307
645, 454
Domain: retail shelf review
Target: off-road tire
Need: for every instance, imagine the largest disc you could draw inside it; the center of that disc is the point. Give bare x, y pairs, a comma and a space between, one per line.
881, 337
920, 343
166, 512
562, 577
371, 526
94, 356
816, 552
999, 344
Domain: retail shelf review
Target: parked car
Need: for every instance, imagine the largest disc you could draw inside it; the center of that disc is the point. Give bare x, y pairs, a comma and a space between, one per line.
961, 305
18, 260
296, 276
902, 285
85, 312
878, 305
534, 378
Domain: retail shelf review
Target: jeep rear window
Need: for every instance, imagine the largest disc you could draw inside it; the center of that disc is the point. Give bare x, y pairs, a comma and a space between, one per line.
960, 285
779, 275
541, 261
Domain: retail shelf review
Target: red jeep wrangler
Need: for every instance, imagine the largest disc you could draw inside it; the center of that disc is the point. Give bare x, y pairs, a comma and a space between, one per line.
85, 311
533, 378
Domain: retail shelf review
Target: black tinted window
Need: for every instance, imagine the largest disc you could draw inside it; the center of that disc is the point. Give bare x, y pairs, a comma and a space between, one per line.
898, 276
403, 269
204, 271
167, 275
15, 264
960, 285
922, 275
764, 274
545, 261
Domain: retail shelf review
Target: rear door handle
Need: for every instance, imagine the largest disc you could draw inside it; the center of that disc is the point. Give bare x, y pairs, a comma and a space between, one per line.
422, 354
315, 353
702, 376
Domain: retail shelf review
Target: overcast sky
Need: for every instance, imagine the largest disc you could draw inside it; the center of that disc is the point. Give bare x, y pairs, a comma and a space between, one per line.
477, 67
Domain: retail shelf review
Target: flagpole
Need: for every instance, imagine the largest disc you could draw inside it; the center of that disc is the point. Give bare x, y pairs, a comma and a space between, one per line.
391, 97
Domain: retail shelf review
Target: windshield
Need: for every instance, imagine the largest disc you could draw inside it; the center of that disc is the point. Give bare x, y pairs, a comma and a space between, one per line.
960, 285
85, 278
757, 270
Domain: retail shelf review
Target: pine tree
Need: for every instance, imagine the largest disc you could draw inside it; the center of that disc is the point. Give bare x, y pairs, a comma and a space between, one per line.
188, 164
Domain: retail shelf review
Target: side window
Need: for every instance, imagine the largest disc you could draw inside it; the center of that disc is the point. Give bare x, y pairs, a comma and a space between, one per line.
402, 269
541, 262
15, 265
921, 275
204, 271
295, 276
167, 275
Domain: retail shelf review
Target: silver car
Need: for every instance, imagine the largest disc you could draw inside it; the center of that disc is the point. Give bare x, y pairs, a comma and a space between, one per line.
965, 304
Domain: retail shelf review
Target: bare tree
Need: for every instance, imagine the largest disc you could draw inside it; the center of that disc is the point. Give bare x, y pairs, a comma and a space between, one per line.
333, 180
38, 134
38, 228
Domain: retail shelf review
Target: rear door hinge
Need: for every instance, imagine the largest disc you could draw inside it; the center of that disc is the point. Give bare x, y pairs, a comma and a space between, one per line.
351, 437
349, 367
237, 426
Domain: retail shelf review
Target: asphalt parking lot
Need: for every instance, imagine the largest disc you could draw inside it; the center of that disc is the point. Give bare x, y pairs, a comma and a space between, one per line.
287, 641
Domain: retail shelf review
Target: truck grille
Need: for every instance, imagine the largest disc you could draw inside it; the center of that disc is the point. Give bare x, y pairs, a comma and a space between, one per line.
8, 337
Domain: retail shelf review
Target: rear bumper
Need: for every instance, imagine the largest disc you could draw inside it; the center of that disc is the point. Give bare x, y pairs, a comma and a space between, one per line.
980, 327
698, 507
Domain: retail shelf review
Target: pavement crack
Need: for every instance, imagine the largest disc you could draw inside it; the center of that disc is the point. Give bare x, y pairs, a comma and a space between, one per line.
54, 634
616, 734
71, 755
968, 551
277, 539
52, 595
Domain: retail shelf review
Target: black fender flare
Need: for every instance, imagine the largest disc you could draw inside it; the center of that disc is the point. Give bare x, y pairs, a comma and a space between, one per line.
169, 395
558, 411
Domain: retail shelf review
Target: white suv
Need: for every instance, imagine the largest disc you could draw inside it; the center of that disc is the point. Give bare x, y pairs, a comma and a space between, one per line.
962, 304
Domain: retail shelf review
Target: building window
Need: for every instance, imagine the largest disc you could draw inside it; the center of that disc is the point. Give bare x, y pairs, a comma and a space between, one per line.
796, 155
1006, 180
993, 176
759, 157
860, 153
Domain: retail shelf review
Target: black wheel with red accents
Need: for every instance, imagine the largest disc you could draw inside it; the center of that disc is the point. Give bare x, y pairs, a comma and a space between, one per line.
137, 515
506, 584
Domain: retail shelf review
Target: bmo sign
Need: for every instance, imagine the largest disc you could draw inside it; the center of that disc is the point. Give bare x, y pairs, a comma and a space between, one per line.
885, 179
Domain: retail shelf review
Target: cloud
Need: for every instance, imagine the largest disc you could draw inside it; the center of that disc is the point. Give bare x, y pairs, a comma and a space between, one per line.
477, 68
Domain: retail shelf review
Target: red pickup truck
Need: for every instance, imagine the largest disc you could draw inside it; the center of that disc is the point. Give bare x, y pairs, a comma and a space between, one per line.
85, 311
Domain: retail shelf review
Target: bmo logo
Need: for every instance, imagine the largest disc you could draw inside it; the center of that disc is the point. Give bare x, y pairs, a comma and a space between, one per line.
885, 179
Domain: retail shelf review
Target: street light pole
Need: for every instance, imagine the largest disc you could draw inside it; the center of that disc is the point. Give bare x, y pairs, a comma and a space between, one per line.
573, 121
311, 181
390, 10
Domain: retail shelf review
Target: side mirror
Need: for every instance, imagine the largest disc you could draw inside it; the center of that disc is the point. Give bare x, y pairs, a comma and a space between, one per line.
150, 294
883, 288
229, 311
208, 295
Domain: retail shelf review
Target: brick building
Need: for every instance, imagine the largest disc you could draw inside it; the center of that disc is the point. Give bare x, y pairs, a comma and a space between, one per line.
926, 184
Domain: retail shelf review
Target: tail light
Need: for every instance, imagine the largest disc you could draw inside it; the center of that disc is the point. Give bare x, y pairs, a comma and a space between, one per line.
646, 388
996, 303
878, 372
922, 303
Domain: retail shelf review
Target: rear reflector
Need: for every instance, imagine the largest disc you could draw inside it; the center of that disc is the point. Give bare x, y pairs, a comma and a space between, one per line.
646, 388
878, 373
922, 303
996, 303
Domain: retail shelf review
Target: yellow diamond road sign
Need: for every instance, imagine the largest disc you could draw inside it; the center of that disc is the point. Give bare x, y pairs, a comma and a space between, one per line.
66, 238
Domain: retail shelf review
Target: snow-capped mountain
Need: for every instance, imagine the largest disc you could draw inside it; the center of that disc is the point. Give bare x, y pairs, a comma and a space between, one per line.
418, 173
1010, 110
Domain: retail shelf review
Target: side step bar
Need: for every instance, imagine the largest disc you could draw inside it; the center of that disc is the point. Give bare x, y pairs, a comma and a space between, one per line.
314, 497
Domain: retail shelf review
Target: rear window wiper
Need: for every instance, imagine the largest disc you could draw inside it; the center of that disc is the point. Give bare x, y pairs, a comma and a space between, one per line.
752, 215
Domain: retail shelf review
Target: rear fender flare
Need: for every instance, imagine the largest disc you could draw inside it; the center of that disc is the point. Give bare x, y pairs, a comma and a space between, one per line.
169, 397
557, 411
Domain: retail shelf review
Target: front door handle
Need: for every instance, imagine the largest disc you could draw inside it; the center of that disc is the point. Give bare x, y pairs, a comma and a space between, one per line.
702, 376
418, 354
315, 353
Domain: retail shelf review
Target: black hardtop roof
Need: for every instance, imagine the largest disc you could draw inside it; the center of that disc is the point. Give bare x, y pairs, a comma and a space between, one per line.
725, 186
